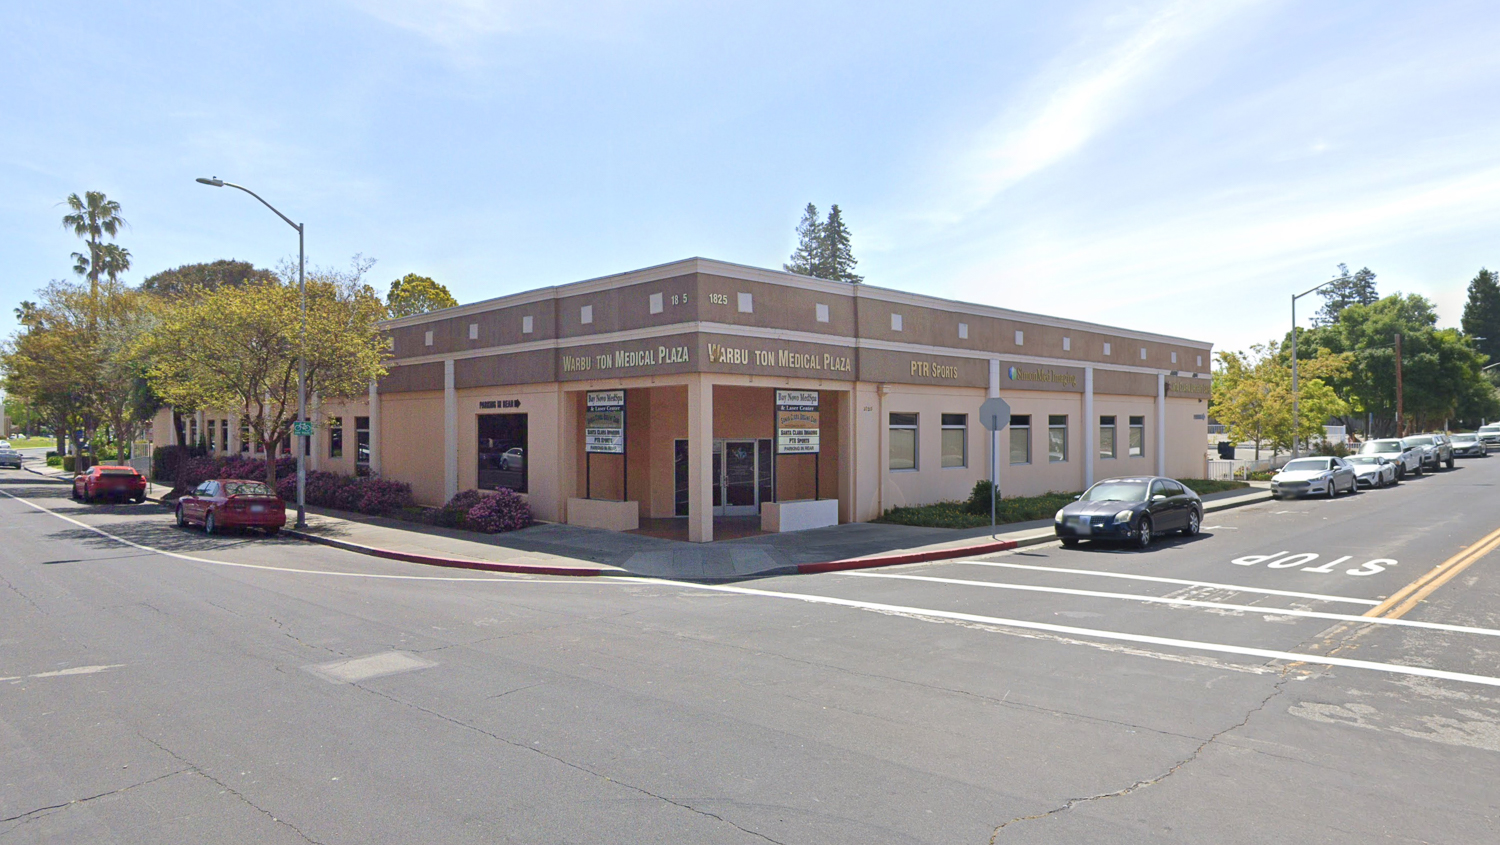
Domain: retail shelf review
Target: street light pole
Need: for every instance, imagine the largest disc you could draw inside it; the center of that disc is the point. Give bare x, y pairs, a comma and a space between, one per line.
299, 439
1296, 418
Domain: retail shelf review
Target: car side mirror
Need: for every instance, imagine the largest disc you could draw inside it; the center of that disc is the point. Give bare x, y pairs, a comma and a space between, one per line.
1158, 497
1078, 497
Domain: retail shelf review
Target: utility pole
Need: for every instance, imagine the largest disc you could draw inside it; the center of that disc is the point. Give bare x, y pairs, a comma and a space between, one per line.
1400, 427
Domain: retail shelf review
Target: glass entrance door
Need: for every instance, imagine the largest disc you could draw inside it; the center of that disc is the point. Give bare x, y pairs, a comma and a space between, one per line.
740, 494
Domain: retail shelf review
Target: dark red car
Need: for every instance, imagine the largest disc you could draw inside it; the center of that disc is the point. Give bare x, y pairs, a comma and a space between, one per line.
232, 503
107, 482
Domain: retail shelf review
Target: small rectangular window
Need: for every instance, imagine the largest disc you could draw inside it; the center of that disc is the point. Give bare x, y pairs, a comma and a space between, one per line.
963, 331
1106, 347
1020, 338
1067, 344
746, 303
1057, 438
427, 338
1020, 438
1137, 437
895, 322
822, 312
473, 331
586, 314
1107, 438
1174, 357
244, 437
335, 437
1200, 360
657, 306
1143, 353
526, 324
903, 437
361, 445
955, 440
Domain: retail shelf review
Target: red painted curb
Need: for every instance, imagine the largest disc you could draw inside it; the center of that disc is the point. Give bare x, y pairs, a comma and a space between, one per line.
452, 563
911, 557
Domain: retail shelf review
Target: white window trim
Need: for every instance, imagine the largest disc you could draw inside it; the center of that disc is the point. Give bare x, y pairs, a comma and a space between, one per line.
916, 439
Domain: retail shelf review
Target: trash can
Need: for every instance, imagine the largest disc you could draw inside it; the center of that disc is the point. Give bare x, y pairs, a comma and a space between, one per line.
1226, 450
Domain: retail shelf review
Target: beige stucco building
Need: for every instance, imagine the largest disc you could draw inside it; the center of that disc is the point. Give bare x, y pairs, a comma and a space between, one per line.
888, 387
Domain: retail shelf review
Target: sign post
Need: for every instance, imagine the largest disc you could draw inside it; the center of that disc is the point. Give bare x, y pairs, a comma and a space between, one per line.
604, 433
995, 415
797, 429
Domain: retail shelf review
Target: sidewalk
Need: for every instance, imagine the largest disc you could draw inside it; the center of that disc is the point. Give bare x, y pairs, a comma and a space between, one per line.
571, 550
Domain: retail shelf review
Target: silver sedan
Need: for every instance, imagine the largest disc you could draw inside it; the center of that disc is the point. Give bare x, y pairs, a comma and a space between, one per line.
1373, 470
1314, 477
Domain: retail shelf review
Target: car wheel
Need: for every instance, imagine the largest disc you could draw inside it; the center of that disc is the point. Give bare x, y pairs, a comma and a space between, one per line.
74, 492
181, 520
1194, 523
138, 499
1143, 536
273, 530
1421, 468
208, 524
1333, 489
1450, 462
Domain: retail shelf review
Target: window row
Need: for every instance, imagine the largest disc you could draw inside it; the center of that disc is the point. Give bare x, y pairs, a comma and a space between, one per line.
954, 445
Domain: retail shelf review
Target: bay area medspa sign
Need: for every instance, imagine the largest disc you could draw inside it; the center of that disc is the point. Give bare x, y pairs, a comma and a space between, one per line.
1043, 374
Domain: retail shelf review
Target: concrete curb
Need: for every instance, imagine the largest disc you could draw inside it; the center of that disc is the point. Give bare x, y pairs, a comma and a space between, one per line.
451, 562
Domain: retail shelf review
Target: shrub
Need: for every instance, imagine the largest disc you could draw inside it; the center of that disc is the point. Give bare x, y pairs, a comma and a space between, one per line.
452, 515
68, 462
54, 460
502, 511
165, 462
381, 496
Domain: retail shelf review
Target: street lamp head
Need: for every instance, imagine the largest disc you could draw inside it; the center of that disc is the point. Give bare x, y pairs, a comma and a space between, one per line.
215, 181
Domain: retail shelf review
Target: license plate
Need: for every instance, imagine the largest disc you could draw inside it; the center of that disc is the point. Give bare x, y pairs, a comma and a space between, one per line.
1083, 526
257, 508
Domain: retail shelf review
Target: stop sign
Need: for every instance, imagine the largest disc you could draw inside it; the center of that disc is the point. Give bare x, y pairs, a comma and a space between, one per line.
995, 414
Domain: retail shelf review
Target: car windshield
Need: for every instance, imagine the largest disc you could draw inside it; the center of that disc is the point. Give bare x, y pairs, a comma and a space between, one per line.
1116, 491
1418, 441
1382, 446
1365, 459
246, 488
115, 471
1489, 429
1467, 438
1308, 465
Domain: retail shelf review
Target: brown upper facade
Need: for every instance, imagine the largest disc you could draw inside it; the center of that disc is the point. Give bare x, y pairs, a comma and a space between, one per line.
700, 315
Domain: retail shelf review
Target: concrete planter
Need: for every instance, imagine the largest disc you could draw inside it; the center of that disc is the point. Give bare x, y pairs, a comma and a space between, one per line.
798, 515
603, 513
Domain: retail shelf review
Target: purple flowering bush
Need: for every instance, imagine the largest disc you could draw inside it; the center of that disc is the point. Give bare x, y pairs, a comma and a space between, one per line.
502, 510
452, 514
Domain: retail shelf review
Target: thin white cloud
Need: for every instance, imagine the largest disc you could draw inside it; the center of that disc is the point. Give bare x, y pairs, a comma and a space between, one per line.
451, 24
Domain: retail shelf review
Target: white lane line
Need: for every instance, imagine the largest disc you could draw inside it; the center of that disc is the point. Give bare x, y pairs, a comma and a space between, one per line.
118, 539
76, 670
1129, 577
1268, 654
1268, 611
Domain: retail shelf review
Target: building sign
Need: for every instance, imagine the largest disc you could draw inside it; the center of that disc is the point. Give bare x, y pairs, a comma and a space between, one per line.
604, 424
797, 429
1194, 387
791, 359
645, 356
1043, 375
489, 404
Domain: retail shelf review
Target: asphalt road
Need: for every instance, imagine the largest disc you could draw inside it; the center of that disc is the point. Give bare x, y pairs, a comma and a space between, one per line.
242, 689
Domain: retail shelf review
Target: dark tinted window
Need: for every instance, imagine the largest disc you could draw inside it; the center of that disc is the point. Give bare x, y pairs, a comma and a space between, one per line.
504, 455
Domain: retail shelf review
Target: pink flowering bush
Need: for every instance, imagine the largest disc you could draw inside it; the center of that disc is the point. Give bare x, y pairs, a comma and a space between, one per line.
503, 510
452, 514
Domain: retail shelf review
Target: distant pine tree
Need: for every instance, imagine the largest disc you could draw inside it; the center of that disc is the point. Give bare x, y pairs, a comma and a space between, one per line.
806, 259
1482, 313
1346, 290
838, 259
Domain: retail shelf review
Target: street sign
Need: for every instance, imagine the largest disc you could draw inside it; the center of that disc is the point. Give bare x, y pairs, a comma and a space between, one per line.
797, 425
302, 428
995, 414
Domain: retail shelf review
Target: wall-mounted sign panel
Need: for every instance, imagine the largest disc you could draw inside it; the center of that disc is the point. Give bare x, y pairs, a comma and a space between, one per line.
604, 422
797, 425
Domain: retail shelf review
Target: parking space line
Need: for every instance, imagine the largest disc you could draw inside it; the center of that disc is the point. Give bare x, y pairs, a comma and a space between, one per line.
1412, 594
1160, 580
1192, 645
1273, 611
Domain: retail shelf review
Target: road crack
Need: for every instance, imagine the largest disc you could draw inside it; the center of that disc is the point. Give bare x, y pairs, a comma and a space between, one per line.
17, 590
570, 764
194, 769
1276, 690
30, 814
286, 629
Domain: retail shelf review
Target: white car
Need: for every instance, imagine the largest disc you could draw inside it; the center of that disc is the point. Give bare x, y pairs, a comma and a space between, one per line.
1314, 477
1407, 458
1373, 470
1489, 435
513, 458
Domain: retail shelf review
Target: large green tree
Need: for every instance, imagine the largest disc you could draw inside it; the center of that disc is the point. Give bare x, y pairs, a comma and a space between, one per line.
205, 276
413, 294
248, 364
1481, 320
1348, 289
824, 248
1252, 396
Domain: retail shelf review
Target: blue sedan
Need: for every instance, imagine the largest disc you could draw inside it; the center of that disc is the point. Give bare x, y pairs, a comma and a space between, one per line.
1134, 510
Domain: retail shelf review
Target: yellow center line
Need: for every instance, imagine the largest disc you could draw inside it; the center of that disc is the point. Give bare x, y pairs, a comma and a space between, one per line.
1412, 594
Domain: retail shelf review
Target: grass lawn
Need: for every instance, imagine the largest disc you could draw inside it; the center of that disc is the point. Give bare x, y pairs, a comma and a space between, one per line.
1014, 509
32, 442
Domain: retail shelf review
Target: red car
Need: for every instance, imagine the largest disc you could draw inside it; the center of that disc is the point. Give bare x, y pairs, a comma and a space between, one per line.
107, 482
232, 503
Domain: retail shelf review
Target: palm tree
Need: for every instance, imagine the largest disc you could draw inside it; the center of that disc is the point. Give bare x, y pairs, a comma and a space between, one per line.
92, 218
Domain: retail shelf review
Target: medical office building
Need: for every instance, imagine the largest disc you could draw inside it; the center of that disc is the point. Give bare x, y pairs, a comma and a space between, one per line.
702, 389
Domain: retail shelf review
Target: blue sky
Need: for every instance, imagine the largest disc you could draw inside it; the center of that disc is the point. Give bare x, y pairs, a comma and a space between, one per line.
1166, 166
